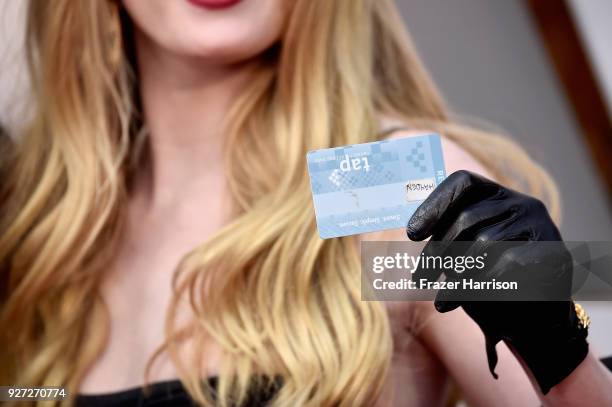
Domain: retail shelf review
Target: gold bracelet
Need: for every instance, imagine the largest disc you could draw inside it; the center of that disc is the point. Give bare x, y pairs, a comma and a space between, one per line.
583, 317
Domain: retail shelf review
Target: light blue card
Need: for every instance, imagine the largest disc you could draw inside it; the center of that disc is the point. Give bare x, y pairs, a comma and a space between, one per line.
373, 186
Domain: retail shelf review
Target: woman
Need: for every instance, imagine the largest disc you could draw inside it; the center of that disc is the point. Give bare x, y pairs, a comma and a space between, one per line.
157, 216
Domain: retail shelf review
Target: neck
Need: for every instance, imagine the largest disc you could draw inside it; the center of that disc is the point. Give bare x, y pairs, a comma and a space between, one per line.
185, 102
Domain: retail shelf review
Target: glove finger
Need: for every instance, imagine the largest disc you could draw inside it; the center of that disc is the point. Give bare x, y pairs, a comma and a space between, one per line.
443, 302
432, 248
476, 217
458, 190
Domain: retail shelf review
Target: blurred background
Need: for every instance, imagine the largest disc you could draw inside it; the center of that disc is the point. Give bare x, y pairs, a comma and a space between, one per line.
539, 69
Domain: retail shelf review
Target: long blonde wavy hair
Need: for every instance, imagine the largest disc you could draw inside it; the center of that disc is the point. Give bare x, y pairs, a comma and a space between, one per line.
284, 301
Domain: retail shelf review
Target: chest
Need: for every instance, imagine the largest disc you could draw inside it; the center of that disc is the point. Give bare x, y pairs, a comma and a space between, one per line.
138, 291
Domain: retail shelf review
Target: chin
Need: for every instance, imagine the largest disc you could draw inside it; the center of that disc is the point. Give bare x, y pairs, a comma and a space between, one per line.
223, 49
232, 34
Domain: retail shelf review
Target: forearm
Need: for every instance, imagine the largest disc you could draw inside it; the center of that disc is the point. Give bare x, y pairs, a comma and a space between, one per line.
590, 384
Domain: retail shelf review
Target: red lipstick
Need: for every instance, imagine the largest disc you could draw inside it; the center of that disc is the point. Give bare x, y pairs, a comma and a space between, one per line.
214, 4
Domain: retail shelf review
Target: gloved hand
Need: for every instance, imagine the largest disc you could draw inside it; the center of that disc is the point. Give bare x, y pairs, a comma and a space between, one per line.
548, 336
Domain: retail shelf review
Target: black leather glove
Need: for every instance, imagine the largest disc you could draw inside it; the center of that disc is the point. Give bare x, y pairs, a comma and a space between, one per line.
548, 336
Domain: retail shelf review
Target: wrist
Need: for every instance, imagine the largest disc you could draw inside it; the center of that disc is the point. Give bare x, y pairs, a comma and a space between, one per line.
552, 352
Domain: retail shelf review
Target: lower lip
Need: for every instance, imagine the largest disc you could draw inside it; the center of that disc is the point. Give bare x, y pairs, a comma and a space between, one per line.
214, 4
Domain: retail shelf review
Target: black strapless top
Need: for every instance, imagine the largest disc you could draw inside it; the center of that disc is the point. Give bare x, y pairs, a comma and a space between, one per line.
170, 393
